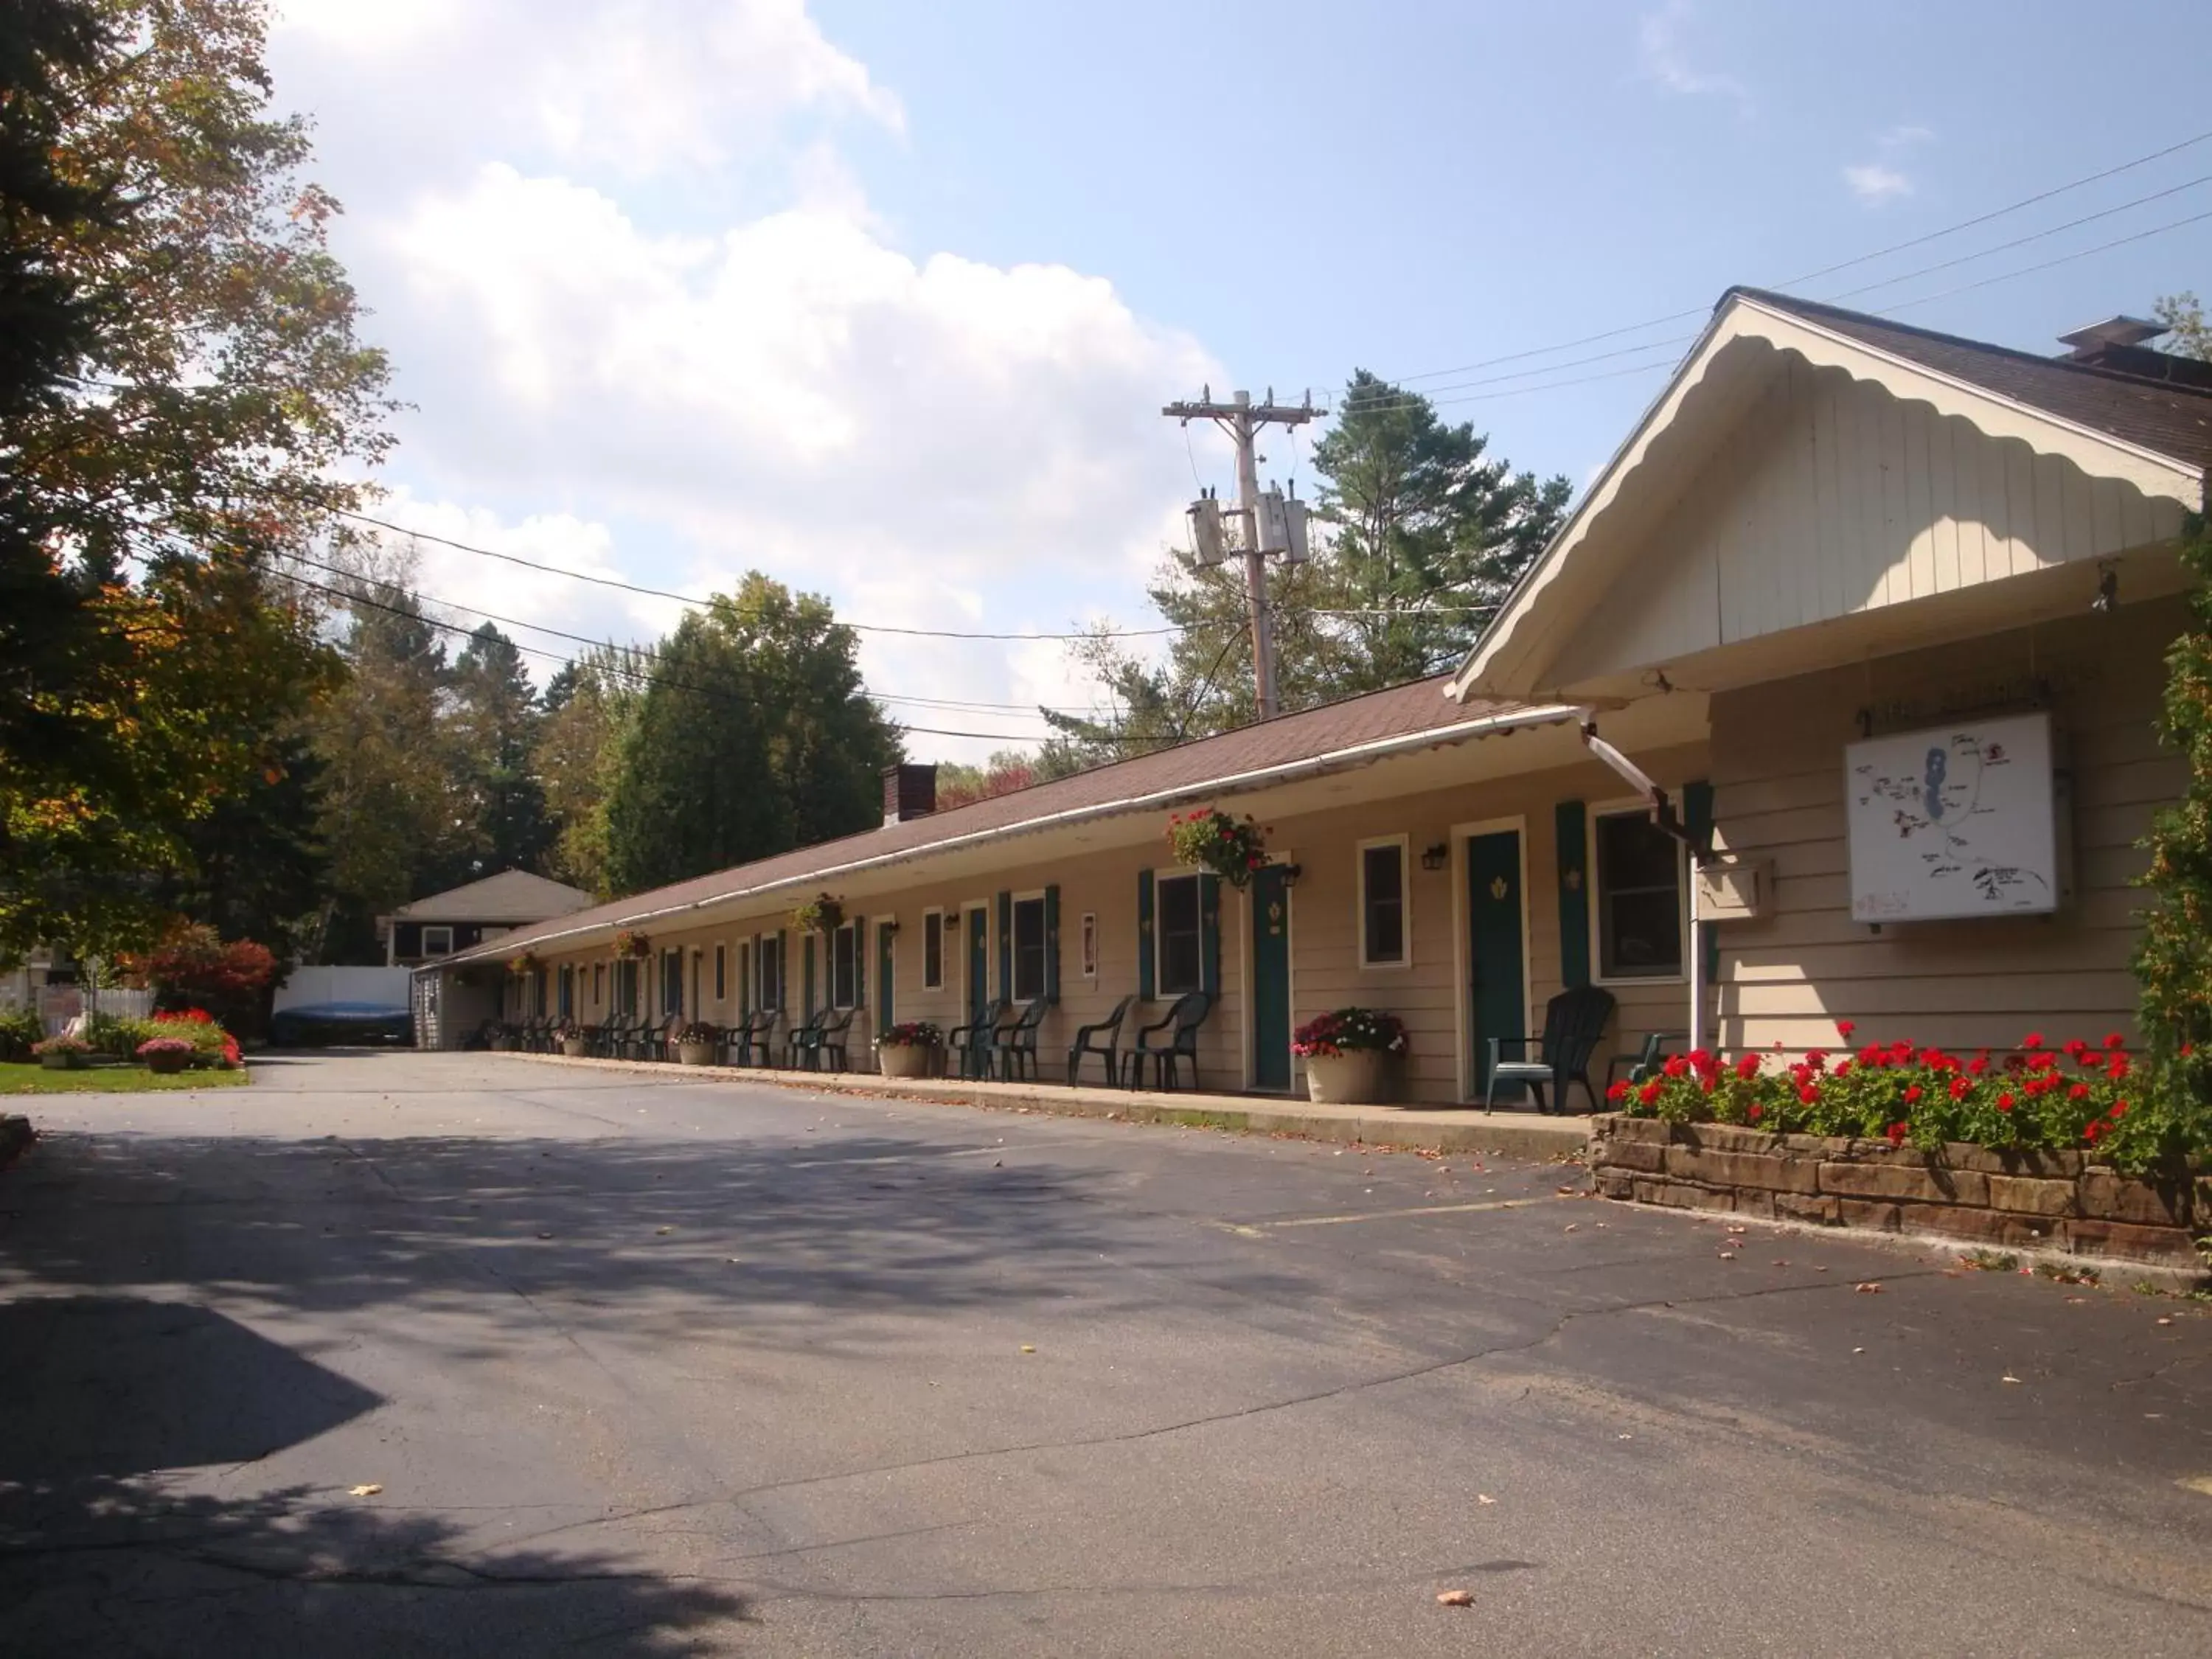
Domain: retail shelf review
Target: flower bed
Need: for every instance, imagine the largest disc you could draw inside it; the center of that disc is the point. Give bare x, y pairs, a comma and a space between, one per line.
2077, 1097
211, 1045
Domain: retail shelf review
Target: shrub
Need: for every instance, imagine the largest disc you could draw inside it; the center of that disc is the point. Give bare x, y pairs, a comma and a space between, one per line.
164, 1045
1350, 1030
62, 1045
20, 1028
2076, 1097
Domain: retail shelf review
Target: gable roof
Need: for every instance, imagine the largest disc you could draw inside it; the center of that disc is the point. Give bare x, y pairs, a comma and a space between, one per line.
1354, 731
2168, 419
2153, 434
510, 897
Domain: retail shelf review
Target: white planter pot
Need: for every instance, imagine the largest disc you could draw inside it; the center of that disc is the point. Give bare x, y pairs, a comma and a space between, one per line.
1363, 1077
695, 1053
905, 1059
575, 1047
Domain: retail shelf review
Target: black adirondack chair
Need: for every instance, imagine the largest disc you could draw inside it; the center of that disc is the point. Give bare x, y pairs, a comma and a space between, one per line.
973, 1041
750, 1038
1086, 1043
1573, 1021
1180, 1043
1016, 1044
827, 1042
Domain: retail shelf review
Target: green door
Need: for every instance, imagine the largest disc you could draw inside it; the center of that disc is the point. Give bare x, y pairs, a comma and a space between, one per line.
884, 1016
1500, 987
978, 927
1270, 978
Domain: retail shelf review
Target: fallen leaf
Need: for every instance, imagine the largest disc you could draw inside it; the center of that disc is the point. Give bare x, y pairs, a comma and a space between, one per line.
545, 1235
1453, 1599
369, 1490
2165, 1322
1727, 1256
1623, 1437
1868, 1287
1571, 1225
663, 1231
1483, 1498
1028, 1347
2008, 1379
1858, 1350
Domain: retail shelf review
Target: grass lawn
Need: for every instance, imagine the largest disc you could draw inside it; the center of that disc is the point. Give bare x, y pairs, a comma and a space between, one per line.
16, 1079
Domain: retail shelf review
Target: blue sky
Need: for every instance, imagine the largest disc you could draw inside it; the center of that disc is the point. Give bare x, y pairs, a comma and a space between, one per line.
883, 298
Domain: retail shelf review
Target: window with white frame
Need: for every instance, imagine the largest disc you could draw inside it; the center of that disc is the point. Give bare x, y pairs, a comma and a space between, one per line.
1639, 898
1178, 949
1383, 933
845, 966
1028, 948
1089, 952
437, 940
932, 949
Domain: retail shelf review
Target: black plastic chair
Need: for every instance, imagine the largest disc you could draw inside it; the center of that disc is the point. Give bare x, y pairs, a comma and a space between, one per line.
1642, 1062
1573, 1021
750, 1038
1016, 1044
1182, 1023
831, 1032
800, 1042
973, 1041
1086, 1043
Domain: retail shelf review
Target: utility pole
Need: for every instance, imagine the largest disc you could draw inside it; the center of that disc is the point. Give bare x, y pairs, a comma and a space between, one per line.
1241, 419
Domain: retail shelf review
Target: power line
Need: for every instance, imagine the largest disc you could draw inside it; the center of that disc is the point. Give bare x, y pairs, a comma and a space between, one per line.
1825, 271
638, 676
690, 599
422, 598
2063, 258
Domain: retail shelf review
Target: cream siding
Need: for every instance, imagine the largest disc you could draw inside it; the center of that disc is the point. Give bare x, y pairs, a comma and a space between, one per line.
1431, 994
1778, 773
1836, 497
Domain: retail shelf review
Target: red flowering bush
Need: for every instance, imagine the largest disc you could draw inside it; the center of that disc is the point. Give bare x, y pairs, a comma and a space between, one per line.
1350, 1030
1212, 839
2076, 1097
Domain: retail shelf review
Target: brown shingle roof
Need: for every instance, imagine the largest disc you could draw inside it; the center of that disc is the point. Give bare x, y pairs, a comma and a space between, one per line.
512, 895
2172, 421
1195, 768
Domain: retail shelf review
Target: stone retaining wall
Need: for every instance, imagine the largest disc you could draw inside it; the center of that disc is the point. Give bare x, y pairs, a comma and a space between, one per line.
1978, 1195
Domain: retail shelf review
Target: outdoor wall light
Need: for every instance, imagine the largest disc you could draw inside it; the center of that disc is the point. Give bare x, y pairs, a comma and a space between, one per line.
890, 925
2108, 588
951, 921
1436, 857
1291, 874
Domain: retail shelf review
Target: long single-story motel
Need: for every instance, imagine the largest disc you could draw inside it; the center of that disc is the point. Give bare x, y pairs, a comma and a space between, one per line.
1880, 616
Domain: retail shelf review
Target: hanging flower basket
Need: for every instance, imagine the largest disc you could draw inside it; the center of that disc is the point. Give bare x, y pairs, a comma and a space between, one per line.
629, 943
528, 962
821, 914
1231, 847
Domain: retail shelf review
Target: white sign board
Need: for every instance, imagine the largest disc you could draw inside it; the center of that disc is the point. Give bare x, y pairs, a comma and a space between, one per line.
1956, 820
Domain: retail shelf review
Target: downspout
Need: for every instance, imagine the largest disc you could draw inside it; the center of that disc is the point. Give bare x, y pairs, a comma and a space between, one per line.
1670, 822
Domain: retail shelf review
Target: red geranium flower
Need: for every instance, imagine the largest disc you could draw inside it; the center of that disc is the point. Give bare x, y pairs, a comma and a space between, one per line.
2074, 1047
1816, 1058
1676, 1066
2091, 1134
1809, 1092
2115, 1041
1980, 1063
1649, 1092
2119, 1110
1960, 1088
2079, 1091
2033, 1040
2118, 1068
1747, 1067
1897, 1133
1912, 1094
1845, 1028
1843, 1068
2004, 1101
1619, 1091
1755, 1113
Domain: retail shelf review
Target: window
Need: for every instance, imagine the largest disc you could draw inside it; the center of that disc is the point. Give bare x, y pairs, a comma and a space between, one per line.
1175, 931
437, 941
845, 966
598, 983
721, 972
932, 949
1640, 898
1383, 942
1091, 944
626, 977
771, 971
1028, 948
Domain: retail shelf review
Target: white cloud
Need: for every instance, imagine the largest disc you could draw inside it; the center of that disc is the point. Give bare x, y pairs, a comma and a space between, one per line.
1875, 183
1666, 62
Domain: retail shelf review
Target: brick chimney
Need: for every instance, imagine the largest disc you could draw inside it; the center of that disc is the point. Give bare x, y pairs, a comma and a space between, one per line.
910, 792
2122, 345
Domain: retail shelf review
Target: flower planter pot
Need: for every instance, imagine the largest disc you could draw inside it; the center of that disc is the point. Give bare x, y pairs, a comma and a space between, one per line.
905, 1059
166, 1064
1360, 1077
62, 1063
695, 1053
575, 1047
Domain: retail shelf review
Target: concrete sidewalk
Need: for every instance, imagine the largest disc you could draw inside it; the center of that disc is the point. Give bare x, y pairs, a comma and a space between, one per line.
1447, 1129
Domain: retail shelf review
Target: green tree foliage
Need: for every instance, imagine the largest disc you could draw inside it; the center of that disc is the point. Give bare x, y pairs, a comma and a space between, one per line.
753, 735
1419, 535
494, 723
184, 391
590, 705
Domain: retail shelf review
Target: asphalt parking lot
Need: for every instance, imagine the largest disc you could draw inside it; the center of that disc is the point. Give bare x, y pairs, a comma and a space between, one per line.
460, 1354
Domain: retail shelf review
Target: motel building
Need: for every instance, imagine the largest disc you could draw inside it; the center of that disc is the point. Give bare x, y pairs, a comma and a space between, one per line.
1833, 700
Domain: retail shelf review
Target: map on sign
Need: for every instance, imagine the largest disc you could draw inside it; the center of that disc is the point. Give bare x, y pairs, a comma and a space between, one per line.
1955, 820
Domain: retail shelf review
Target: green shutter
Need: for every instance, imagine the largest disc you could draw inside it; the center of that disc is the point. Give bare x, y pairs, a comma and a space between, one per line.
1145, 934
745, 976
1005, 945
1209, 933
1052, 943
1570, 832
806, 975
859, 962
782, 979
885, 981
1697, 819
